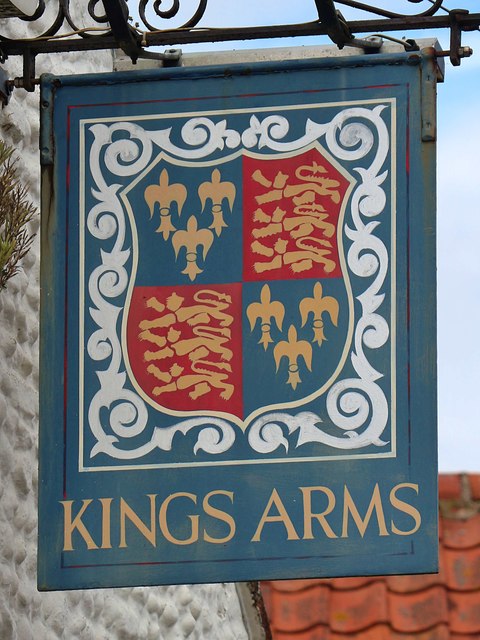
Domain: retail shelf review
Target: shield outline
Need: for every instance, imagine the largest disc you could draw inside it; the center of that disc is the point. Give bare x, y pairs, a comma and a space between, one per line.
248, 419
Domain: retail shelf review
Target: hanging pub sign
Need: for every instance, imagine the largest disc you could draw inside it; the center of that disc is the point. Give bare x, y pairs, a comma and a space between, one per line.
238, 323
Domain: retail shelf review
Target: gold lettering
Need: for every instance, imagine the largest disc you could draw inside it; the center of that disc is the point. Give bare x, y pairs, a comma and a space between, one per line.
405, 508
219, 515
127, 512
106, 510
70, 526
375, 504
281, 517
308, 516
162, 517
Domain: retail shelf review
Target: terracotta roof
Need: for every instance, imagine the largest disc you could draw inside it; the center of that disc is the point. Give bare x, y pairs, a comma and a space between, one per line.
443, 606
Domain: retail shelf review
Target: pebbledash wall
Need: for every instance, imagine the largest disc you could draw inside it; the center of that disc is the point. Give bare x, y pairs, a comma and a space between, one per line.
204, 611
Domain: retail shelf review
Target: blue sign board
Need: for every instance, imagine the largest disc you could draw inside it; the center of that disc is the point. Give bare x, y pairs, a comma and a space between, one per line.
238, 327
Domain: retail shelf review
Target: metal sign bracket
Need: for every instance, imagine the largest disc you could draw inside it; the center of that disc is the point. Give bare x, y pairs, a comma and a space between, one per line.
115, 29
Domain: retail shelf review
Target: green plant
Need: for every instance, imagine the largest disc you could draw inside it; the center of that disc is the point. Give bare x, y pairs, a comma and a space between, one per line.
16, 211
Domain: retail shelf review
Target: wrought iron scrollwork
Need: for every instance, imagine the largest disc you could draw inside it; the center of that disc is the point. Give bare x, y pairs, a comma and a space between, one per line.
92, 5
55, 26
57, 18
434, 7
170, 12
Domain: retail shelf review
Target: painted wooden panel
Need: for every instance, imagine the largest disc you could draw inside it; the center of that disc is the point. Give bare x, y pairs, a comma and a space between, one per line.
238, 324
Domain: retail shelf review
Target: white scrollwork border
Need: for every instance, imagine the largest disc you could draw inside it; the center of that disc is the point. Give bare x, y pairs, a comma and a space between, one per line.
357, 406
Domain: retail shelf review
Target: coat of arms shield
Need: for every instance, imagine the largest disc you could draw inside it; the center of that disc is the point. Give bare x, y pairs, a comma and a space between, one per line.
240, 301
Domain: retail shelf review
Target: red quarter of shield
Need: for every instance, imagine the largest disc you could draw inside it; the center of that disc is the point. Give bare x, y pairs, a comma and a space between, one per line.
185, 346
291, 211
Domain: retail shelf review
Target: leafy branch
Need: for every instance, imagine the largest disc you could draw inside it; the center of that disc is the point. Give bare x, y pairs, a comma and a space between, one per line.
16, 211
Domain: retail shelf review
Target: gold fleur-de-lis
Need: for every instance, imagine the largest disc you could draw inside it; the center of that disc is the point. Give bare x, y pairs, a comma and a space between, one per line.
293, 349
264, 311
217, 191
318, 305
165, 193
191, 239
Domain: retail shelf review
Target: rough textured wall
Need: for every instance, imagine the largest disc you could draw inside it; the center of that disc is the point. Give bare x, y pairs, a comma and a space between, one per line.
205, 611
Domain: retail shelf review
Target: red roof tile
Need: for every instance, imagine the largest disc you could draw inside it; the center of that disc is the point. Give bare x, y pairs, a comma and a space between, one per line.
418, 611
464, 612
463, 569
378, 632
358, 609
461, 534
474, 482
385, 633
441, 632
351, 583
450, 485
319, 633
408, 583
296, 585
444, 606
296, 611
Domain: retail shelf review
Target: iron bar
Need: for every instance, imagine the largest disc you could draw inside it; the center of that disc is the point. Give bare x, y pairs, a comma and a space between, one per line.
354, 4
334, 23
469, 22
127, 39
113, 17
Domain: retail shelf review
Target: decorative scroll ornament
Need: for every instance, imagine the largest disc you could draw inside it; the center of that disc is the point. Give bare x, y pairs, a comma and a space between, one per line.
356, 406
139, 28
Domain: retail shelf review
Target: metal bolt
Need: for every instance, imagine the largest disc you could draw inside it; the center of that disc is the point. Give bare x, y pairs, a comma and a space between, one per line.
465, 52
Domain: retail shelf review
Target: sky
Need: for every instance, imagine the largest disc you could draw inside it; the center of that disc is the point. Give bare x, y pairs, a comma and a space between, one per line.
458, 209
458, 262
